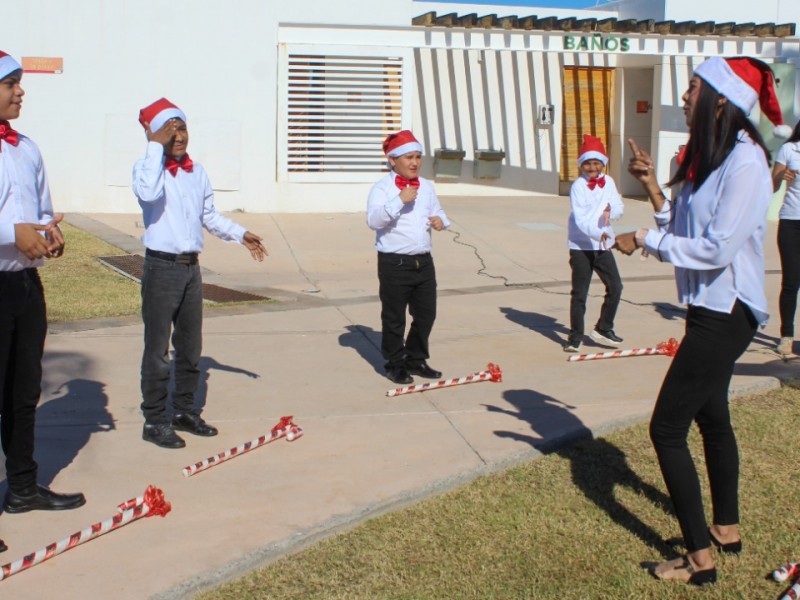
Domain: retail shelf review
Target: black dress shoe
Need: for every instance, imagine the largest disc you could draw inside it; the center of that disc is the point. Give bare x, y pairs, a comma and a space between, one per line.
423, 370
193, 424
40, 498
162, 434
3, 546
399, 375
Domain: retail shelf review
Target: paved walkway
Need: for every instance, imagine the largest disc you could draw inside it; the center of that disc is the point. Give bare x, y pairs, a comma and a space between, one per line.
314, 353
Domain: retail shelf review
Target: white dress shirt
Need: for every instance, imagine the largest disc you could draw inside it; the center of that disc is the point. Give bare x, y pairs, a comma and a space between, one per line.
789, 155
586, 221
24, 198
402, 228
176, 209
714, 236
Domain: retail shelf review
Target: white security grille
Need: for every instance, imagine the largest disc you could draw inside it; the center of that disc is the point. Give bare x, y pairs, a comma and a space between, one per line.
338, 111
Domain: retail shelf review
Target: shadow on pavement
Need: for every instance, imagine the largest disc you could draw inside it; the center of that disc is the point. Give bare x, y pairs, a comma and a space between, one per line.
65, 423
367, 342
207, 364
546, 325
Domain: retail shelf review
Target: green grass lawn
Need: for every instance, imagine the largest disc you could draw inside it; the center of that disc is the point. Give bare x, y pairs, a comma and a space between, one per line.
575, 524
78, 287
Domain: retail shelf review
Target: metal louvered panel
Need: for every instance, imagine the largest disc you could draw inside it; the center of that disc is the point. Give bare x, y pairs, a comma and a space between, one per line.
338, 111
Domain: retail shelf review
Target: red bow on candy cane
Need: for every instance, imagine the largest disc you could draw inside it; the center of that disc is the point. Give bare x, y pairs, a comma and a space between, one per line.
668, 348
495, 372
595, 181
7, 134
172, 164
403, 183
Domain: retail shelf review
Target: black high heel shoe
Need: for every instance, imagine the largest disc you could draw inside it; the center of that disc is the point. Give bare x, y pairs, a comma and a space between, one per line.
729, 548
698, 578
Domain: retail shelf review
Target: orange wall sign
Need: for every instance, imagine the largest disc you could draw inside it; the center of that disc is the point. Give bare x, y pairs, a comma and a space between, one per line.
42, 64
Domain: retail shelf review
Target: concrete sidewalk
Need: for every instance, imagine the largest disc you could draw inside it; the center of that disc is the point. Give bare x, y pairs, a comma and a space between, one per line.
314, 353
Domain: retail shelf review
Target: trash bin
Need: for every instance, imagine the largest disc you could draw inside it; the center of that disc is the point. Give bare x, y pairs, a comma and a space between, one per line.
447, 162
487, 164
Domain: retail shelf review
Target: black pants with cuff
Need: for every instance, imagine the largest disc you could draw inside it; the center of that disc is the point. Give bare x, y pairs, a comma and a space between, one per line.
583, 263
172, 303
789, 249
695, 389
23, 327
407, 282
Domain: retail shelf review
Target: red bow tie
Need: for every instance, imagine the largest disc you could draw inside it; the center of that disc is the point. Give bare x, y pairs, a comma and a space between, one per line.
172, 164
595, 181
403, 183
8, 134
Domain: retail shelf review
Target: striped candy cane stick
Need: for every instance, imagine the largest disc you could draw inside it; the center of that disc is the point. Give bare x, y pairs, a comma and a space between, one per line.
668, 348
793, 593
285, 427
151, 504
786, 572
492, 373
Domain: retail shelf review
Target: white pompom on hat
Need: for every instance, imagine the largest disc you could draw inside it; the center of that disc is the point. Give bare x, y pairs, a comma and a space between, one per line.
400, 143
8, 65
745, 81
592, 149
158, 113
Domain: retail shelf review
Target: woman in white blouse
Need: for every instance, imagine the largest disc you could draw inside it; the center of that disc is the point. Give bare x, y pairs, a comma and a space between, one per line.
786, 168
712, 231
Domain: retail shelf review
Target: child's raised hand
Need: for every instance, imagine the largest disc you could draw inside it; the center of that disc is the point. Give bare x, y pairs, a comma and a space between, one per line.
253, 243
29, 240
409, 194
54, 237
165, 133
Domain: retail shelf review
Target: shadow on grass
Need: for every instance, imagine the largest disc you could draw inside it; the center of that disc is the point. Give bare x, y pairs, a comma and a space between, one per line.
598, 466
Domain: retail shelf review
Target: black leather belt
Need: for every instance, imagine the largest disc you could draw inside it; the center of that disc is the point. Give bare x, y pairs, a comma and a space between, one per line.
187, 258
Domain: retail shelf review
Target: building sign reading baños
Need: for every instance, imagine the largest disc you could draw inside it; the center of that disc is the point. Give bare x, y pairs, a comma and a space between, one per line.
598, 42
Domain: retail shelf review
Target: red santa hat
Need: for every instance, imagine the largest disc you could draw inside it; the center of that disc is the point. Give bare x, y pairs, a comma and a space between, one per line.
7, 65
745, 81
400, 143
592, 149
158, 113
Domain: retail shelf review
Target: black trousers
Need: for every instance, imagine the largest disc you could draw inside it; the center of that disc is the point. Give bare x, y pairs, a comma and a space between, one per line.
406, 283
23, 327
789, 249
696, 389
172, 297
583, 263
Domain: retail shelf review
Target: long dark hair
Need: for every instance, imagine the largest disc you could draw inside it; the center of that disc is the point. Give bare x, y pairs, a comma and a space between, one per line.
795, 134
712, 137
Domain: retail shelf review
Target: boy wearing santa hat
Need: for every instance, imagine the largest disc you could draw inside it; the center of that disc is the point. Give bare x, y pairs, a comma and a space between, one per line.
594, 203
402, 209
177, 202
29, 233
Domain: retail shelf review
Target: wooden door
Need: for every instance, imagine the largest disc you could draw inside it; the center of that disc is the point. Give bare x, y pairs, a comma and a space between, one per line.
587, 109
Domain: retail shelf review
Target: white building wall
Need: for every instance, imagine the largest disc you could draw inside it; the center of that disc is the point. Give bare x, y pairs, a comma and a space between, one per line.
220, 62
216, 60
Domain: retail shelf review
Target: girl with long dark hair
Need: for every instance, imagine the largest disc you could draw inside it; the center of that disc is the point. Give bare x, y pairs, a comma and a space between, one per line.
712, 231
